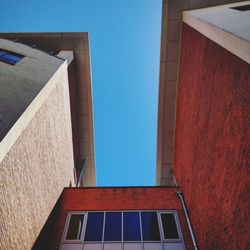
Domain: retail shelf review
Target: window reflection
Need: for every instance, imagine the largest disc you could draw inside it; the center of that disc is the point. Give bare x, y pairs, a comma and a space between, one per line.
150, 228
113, 225
169, 226
131, 226
75, 227
94, 226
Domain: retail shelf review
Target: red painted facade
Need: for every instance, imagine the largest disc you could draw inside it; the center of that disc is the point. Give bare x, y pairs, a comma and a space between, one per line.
212, 153
113, 198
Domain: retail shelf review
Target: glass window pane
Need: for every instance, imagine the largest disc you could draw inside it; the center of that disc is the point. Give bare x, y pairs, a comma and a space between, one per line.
131, 226
75, 227
10, 58
113, 224
169, 226
94, 226
150, 227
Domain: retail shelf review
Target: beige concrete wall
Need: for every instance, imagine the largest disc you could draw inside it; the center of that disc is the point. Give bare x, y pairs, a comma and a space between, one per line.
20, 83
36, 168
78, 42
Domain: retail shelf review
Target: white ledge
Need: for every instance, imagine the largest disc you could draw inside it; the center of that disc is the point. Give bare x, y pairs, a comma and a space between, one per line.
225, 26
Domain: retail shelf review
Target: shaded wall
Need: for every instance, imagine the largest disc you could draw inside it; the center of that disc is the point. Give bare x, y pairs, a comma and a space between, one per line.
212, 151
110, 198
21, 83
36, 169
73, 92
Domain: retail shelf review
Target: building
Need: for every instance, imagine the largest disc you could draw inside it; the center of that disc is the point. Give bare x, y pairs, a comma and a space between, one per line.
202, 200
204, 117
45, 101
113, 218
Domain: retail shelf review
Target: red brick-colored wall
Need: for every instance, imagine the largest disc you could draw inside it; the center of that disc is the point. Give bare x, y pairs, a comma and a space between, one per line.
212, 149
113, 198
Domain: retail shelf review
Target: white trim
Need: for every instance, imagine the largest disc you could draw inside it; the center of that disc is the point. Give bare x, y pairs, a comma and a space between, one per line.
65, 241
23, 121
217, 33
180, 239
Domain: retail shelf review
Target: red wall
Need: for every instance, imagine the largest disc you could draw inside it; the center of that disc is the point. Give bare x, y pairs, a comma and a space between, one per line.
123, 198
212, 149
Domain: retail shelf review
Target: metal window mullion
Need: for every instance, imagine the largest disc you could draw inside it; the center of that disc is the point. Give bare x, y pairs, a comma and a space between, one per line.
103, 229
160, 228
122, 231
84, 227
178, 226
142, 244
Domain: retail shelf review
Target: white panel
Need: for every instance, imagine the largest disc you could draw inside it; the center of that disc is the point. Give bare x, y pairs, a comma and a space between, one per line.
71, 247
112, 246
132, 246
152, 246
174, 246
92, 247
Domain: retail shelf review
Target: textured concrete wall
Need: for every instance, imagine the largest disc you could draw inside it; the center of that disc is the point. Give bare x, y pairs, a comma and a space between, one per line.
21, 83
124, 198
35, 170
212, 149
78, 42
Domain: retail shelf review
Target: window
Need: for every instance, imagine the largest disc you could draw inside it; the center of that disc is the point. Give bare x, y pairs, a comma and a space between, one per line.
94, 226
113, 226
75, 227
131, 226
242, 7
127, 230
10, 57
150, 227
169, 226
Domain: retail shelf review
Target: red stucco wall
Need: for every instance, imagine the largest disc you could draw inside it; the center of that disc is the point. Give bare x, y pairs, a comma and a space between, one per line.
212, 142
127, 198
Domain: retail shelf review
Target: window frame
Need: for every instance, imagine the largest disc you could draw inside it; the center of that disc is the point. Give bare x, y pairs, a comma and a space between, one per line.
177, 223
66, 227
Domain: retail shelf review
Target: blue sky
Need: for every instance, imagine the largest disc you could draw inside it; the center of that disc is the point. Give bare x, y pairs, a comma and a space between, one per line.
125, 51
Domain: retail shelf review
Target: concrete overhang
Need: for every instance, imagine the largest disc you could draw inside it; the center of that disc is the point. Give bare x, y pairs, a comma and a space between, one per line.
172, 18
78, 42
228, 27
